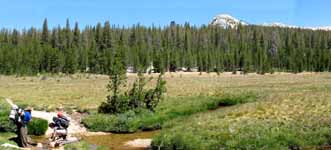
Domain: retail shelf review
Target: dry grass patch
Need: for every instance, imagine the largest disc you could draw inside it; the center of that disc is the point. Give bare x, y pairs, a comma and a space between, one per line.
84, 91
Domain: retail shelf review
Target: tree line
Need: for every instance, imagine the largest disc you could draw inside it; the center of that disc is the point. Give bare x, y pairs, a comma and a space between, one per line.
170, 48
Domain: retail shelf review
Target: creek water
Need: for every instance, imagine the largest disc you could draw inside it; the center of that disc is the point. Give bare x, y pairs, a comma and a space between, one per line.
112, 141
118, 141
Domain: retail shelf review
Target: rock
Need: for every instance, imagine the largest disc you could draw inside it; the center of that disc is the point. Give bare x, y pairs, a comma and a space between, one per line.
55, 146
60, 143
9, 145
140, 143
39, 145
225, 21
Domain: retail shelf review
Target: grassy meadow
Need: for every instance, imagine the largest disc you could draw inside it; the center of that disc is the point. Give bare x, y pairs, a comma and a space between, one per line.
292, 112
287, 111
83, 91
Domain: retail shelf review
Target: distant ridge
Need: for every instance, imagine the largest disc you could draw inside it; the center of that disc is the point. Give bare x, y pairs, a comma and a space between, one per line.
228, 21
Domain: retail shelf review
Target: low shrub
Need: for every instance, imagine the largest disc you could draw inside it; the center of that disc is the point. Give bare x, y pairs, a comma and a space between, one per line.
5, 124
127, 122
136, 98
172, 108
6, 127
230, 100
37, 126
99, 122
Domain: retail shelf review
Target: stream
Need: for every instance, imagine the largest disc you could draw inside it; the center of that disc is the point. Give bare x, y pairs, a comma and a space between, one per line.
111, 141
137, 141
118, 141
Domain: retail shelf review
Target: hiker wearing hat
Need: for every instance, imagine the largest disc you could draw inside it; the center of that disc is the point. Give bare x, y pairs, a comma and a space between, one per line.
23, 138
60, 126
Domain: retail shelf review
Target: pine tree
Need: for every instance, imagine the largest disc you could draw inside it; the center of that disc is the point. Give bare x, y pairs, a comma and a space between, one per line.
45, 33
76, 37
210, 48
68, 38
117, 76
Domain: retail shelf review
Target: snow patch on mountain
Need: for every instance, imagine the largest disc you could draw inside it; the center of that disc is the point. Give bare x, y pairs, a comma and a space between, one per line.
327, 28
226, 21
278, 24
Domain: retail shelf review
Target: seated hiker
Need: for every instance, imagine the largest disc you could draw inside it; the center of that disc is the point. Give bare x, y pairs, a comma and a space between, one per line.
60, 125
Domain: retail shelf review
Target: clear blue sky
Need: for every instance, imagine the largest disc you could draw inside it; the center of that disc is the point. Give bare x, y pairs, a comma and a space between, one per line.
27, 13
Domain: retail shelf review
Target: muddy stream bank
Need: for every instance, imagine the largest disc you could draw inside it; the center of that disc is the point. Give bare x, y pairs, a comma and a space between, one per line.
133, 141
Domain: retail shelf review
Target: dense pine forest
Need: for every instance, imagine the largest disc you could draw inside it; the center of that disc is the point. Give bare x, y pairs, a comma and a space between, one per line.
171, 48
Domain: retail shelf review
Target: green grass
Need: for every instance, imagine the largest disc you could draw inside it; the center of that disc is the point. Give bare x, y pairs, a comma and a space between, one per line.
37, 127
85, 91
5, 124
171, 108
252, 134
293, 109
242, 134
4, 138
283, 118
83, 146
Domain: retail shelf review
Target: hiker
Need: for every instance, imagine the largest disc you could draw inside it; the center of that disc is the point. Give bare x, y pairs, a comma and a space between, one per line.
60, 125
22, 120
14, 114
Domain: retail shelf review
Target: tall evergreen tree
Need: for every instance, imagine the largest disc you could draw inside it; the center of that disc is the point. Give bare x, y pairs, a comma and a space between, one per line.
45, 33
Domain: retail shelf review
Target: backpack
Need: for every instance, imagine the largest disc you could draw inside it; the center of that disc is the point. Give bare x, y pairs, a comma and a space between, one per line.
64, 122
14, 115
